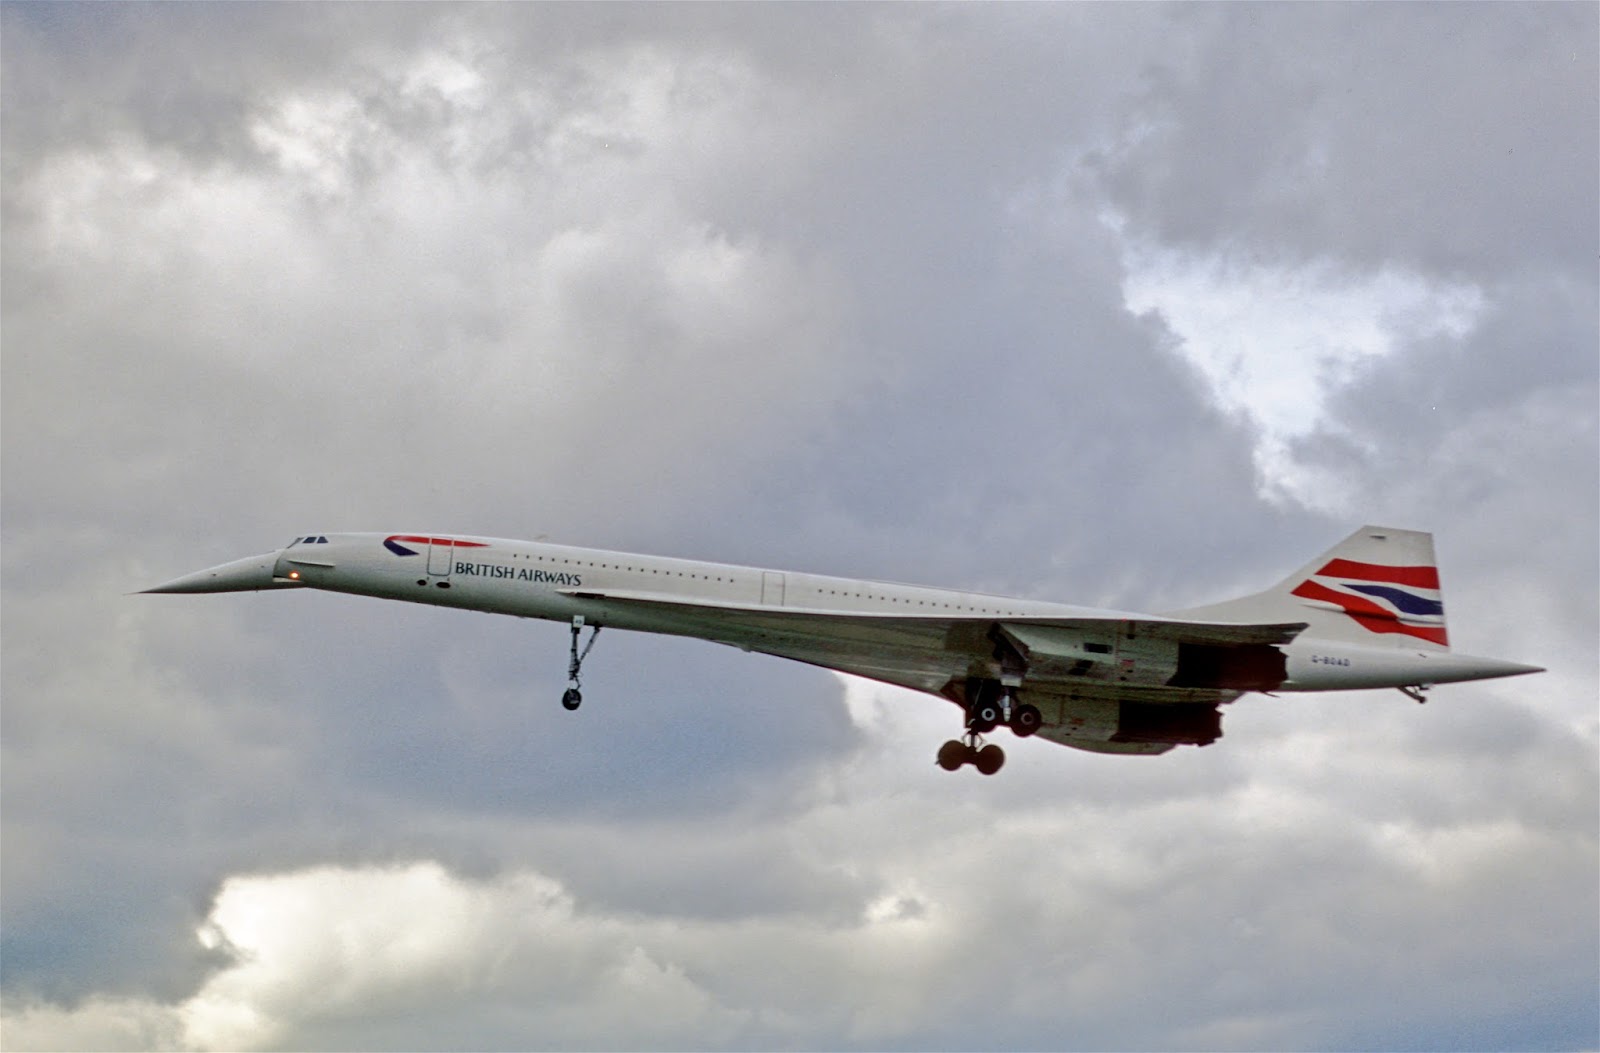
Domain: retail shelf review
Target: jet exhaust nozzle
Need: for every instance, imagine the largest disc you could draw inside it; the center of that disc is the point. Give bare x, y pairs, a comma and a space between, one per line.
242, 575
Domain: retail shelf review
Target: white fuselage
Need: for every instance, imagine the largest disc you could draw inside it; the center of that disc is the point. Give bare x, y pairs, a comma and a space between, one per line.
539, 580
1366, 614
558, 582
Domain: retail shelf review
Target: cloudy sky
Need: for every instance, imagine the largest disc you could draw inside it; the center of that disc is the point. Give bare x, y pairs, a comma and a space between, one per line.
1133, 305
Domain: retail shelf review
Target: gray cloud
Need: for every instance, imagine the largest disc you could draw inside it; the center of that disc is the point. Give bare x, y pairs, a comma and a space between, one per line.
839, 288
1299, 130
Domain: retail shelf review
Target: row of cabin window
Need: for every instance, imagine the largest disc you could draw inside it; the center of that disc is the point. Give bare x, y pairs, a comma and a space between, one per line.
316, 539
619, 566
920, 603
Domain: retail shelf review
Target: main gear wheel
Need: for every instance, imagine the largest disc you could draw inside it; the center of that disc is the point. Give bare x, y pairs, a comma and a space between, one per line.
969, 750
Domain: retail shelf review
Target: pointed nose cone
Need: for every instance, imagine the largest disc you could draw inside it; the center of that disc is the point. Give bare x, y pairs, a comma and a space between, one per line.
242, 575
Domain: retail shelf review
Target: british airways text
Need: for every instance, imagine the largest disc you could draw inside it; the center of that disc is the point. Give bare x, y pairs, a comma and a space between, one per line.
541, 577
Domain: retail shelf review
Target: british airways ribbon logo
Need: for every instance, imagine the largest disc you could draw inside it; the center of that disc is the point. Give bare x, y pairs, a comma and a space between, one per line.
1382, 599
396, 543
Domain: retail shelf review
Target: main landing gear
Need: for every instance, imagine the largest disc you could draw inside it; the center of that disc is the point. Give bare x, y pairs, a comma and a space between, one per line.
969, 750
572, 698
991, 708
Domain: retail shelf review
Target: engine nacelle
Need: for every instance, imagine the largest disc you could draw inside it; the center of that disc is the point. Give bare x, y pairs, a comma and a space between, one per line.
1128, 727
1248, 667
1182, 725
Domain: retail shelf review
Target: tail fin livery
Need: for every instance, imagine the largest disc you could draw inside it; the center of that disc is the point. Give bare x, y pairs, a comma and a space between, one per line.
1378, 587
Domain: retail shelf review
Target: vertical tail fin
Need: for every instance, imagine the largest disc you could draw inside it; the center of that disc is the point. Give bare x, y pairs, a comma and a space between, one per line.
1378, 587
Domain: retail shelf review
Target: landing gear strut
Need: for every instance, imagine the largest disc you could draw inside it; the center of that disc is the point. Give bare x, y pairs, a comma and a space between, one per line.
987, 711
572, 698
991, 705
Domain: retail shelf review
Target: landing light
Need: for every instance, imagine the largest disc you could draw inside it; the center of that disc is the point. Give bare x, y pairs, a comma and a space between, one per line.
294, 575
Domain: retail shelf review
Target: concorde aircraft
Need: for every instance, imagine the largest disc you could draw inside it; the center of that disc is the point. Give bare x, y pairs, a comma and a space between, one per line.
1366, 614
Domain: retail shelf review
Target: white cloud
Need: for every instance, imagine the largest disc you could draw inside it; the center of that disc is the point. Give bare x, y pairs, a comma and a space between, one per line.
1017, 898
312, 948
96, 1023
1276, 342
567, 299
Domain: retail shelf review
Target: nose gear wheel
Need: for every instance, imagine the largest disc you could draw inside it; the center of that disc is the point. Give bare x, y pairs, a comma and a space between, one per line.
572, 698
985, 716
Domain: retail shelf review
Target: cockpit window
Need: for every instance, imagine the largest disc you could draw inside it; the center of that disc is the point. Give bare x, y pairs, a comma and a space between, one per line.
309, 539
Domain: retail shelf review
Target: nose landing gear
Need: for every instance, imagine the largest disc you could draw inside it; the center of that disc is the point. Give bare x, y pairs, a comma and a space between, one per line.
572, 698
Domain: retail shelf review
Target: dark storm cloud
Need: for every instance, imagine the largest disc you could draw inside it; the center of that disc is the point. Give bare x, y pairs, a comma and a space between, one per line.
834, 288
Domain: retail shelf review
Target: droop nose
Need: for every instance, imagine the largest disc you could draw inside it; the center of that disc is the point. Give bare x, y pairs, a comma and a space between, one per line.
242, 575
